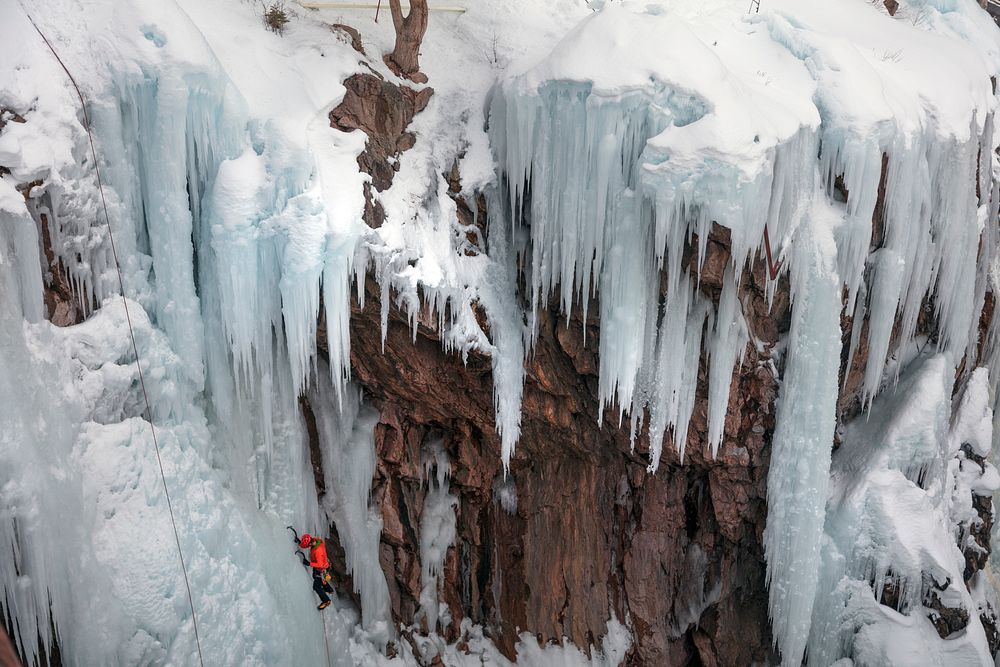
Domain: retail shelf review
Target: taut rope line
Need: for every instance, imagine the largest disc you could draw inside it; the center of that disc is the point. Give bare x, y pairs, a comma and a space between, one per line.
131, 333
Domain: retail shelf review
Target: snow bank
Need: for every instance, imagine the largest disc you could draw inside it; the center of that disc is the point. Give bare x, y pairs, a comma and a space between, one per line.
86, 520
898, 486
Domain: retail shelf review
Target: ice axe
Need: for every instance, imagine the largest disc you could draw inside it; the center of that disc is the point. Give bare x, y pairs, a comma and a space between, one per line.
295, 538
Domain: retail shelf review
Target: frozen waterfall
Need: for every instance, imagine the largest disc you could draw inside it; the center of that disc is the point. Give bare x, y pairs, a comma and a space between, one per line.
869, 159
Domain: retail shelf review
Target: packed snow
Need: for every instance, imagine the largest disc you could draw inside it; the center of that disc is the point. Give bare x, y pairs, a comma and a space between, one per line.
900, 489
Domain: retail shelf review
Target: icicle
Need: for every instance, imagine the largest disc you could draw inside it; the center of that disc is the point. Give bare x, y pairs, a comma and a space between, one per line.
605, 211
806, 415
437, 532
728, 348
675, 377
625, 305
346, 435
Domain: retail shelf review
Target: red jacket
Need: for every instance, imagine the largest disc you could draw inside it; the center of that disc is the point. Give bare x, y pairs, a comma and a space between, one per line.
317, 555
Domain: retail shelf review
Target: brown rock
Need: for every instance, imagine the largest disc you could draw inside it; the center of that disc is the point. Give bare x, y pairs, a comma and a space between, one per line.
383, 110
946, 620
8, 658
593, 534
9, 116
350, 35
61, 304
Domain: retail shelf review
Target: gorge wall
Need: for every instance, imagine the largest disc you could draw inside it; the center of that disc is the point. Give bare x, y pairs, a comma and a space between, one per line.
578, 530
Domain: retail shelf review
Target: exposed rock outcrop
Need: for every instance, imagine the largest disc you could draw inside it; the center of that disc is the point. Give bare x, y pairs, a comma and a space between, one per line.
62, 305
974, 541
8, 658
382, 110
592, 534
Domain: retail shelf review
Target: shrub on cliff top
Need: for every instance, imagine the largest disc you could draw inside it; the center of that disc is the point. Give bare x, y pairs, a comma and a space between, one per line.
275, 17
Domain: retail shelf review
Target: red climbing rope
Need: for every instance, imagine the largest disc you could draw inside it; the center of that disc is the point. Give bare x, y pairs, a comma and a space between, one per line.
772, 268
131, 333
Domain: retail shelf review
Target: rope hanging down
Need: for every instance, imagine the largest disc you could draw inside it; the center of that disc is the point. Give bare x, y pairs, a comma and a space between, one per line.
131, 333
326, 642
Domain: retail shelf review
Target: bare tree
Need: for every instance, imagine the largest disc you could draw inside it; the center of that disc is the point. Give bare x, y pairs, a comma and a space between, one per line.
410, 31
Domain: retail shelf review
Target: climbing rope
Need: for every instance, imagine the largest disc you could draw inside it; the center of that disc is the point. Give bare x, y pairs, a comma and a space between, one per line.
131, 332
326, 642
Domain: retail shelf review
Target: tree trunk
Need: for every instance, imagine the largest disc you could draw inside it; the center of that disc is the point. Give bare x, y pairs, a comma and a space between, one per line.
410, 31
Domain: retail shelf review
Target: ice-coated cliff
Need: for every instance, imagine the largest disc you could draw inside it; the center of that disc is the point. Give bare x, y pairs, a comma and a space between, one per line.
510, 341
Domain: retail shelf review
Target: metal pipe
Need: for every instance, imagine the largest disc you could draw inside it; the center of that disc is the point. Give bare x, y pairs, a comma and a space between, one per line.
370, 5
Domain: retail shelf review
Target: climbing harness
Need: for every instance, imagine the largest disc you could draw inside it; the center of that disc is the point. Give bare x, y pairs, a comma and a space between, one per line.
131, 333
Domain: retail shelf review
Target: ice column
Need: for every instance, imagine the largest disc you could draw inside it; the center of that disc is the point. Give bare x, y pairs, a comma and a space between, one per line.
347, 438
437, 531
806, 417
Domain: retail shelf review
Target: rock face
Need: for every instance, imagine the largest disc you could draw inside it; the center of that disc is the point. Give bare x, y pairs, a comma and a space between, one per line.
8, 658
383, 111
976, 546
578, 531
592, 533
62, 305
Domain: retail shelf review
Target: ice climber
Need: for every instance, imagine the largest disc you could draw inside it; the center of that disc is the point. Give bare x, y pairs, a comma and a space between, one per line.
319, 563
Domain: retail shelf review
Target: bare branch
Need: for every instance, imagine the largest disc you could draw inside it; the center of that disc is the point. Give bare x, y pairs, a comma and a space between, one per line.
397, 14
